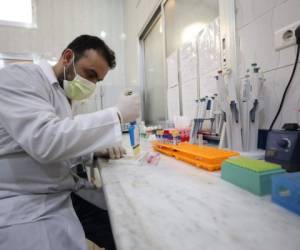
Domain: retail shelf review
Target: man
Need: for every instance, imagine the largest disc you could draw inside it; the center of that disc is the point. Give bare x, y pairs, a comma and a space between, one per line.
41, 142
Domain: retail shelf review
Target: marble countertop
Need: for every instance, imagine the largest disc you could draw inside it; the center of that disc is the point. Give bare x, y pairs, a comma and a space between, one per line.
176, 206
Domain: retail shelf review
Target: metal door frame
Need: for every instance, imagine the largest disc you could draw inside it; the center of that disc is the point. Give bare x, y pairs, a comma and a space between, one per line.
158, 12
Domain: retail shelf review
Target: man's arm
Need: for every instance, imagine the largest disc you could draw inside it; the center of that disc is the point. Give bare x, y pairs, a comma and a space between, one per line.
31, 121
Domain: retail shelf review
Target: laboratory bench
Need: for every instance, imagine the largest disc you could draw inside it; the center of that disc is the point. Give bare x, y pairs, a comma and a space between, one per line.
174, 205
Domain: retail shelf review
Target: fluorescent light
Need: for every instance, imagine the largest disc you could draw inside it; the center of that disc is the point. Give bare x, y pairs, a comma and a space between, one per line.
103, 34
123, 36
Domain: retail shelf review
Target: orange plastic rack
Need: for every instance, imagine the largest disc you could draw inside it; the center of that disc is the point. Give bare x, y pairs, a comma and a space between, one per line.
205, 157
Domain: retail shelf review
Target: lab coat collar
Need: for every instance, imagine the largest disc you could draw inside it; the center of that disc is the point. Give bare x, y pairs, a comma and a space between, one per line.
48, 71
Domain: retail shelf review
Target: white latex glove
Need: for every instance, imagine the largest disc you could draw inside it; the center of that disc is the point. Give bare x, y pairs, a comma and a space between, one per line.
113, 153
129, 107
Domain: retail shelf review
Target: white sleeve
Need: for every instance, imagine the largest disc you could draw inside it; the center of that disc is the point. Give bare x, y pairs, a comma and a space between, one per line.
31, 121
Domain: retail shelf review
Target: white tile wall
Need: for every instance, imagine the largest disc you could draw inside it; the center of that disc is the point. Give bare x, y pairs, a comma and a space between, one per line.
291, 108
256, 43
245, 12
280, 2
209, 58
136, 14
257, 20
209, 48
208, 85
188, 62
270, 99
286, 13
260, 7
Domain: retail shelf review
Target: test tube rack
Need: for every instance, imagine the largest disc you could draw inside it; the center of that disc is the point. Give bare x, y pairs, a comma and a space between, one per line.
205, 157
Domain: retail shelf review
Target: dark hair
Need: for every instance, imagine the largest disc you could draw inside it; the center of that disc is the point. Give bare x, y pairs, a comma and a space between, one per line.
84, 42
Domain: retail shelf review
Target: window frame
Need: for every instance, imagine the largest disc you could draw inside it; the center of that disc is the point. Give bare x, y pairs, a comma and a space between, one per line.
32, 25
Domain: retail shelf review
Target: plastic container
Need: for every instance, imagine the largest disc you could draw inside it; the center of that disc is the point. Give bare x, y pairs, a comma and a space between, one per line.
143, 129
134, 134
205, 157
250, 174
286, 191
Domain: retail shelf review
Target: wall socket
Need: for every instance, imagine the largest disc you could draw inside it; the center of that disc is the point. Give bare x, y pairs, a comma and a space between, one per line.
285, 37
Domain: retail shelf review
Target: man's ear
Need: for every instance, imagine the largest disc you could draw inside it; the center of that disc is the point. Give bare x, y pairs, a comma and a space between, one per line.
67, 57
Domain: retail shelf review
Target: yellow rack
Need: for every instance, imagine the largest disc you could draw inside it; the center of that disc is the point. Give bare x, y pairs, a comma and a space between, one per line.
205, 157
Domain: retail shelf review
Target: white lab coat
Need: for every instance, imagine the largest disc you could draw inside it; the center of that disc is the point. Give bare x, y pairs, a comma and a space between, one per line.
39, 140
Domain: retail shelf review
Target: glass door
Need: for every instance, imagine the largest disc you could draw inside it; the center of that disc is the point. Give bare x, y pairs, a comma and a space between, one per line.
154, 83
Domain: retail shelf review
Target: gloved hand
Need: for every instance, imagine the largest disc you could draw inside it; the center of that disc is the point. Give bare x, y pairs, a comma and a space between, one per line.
111, 153
129, 107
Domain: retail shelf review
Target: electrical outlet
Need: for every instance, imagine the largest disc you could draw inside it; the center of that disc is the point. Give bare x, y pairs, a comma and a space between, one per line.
285, 37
